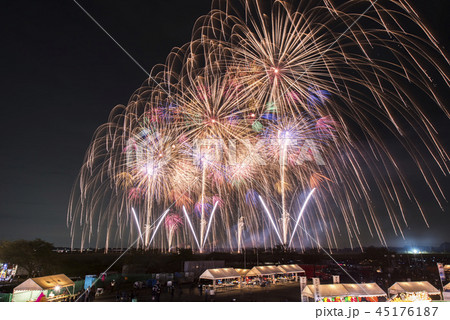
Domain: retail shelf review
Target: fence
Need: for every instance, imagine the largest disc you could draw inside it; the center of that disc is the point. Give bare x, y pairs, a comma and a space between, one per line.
5, 297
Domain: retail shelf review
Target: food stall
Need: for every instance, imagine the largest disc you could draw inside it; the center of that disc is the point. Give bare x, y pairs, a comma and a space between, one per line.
54, 288
412, 291
264, 274
222, 277
243, 273
446, 292
447, 272
291, 271
345, 292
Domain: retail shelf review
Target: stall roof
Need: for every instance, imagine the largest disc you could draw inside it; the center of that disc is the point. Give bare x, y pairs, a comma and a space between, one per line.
447, 287
345, 290
45, 283
264, 271
415, 286
242, 272
291, 268
222, 273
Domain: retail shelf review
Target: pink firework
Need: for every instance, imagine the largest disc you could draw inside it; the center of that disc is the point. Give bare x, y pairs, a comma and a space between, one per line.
217, 199
173, 221
135, 193
326, 125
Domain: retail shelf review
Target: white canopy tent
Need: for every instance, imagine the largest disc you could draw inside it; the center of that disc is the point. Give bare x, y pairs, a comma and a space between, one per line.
242, 272
30, 289
260, 271
362, 290
220, 274
446, 292
265, 271
413, 287
293, 269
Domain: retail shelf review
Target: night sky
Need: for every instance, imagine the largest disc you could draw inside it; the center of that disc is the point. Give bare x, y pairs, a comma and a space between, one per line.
61, 76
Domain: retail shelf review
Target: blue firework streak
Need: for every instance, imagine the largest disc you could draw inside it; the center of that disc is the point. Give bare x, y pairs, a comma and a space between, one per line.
317, 97
251, 197
269, 116
198, 208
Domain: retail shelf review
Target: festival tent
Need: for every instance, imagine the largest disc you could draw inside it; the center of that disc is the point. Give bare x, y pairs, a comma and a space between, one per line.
260, 271
342, 290
413, 287
242, 272
293, 269
31, 289
446, 292
220, 274
265, 271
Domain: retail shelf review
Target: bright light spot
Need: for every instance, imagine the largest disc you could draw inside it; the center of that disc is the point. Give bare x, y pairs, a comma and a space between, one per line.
57, 288
285, 137
149, 169
252, 115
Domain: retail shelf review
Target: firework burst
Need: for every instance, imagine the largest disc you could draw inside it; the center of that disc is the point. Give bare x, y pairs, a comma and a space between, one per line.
270, 106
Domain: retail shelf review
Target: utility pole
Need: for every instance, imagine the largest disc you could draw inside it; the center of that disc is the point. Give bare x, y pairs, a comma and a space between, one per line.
245, 259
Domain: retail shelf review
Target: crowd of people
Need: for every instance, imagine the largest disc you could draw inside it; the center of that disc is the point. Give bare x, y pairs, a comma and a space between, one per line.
144, 291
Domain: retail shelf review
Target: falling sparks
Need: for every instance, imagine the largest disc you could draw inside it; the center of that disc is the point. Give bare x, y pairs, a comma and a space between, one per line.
275, 103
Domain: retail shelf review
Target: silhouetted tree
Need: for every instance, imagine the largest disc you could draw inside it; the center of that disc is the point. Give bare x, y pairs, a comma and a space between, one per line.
34, 256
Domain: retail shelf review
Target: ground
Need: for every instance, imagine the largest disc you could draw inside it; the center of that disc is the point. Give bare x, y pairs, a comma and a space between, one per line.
289, 292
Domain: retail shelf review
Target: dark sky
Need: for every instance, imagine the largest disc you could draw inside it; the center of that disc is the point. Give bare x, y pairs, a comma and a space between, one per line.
60, 78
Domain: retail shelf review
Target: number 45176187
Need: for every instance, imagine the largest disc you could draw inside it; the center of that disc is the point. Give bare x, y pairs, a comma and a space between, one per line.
406, 311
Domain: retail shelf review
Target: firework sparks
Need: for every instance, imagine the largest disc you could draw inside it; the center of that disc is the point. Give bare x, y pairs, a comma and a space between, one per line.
281, 99
300, 215
137, 224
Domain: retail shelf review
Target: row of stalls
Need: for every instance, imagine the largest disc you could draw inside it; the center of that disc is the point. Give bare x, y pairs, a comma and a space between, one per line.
371, 292
337, 292
344, 292
261, 275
